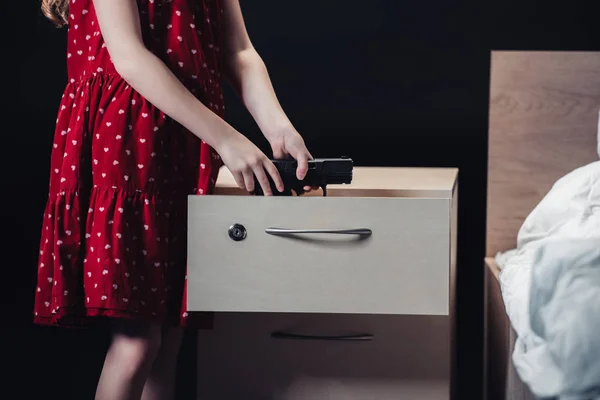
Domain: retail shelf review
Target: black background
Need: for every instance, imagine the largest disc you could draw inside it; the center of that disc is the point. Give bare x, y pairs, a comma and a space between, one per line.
388, 83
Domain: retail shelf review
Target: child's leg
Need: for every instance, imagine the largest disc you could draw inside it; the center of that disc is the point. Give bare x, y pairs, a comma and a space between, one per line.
129, 360
161, 382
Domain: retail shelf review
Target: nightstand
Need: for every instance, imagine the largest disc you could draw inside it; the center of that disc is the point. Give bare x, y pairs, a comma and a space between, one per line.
349, 296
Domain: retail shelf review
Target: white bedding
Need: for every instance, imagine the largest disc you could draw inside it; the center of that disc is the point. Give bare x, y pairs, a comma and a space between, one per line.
555, 272
564, 310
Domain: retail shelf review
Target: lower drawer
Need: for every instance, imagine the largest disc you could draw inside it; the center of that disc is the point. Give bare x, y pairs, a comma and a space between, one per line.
408, 358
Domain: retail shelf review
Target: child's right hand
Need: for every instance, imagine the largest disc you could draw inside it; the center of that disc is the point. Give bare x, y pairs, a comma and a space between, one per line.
245, 161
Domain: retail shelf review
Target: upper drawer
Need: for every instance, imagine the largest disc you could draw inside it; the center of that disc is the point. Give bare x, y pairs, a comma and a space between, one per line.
402, 267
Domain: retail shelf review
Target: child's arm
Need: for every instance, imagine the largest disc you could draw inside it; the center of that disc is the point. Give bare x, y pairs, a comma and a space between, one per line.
248, 74
149, 76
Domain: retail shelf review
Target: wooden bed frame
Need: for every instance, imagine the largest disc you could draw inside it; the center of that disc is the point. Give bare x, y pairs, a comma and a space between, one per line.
544, 109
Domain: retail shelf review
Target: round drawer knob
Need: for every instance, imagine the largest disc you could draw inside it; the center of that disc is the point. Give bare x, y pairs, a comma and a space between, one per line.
237, 232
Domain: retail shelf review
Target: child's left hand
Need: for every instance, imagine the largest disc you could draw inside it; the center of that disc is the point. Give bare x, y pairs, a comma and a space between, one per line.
289, 142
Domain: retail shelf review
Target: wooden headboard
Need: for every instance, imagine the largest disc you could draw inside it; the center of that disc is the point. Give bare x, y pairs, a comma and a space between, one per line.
543, 123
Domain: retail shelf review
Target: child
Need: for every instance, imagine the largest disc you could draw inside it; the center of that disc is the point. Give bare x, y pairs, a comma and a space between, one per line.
139, 129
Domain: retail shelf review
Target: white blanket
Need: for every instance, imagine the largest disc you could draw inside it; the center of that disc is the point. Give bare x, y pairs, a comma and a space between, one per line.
556, 242
564, 310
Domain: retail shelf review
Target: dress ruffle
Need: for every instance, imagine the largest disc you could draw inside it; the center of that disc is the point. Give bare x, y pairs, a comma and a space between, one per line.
113, 253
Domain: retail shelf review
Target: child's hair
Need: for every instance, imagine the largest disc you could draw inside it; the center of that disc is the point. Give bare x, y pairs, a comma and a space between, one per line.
56, 11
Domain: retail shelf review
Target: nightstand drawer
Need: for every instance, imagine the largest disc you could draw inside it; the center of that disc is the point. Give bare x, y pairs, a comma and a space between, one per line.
279, 356
347, 255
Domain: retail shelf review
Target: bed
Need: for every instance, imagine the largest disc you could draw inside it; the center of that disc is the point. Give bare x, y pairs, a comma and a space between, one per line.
543, 148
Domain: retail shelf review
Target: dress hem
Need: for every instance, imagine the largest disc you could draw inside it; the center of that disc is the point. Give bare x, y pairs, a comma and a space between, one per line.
92, 317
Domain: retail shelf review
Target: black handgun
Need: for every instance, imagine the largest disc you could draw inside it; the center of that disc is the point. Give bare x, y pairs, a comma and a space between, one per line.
321, 172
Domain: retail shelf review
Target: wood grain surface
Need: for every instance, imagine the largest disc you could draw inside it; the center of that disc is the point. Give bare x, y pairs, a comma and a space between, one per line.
544, 109
543, 123
501, 379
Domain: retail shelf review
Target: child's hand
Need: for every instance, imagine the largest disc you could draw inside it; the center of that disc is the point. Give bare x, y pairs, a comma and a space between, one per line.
245, 161
289, 142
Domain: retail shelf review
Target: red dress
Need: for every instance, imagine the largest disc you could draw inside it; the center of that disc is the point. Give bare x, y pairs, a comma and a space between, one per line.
114, 230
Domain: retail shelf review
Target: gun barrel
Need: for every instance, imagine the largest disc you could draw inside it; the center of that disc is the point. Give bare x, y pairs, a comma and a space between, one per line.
335, 170
338, 178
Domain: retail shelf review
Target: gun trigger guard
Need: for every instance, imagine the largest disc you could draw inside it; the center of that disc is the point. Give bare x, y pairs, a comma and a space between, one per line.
324, 189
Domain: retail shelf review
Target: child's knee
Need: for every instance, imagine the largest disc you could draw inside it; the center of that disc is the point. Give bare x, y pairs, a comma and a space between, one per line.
136, 351
140, 347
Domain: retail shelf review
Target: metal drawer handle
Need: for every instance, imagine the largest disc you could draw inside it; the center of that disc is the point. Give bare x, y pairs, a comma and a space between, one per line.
365, 337
283, 231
